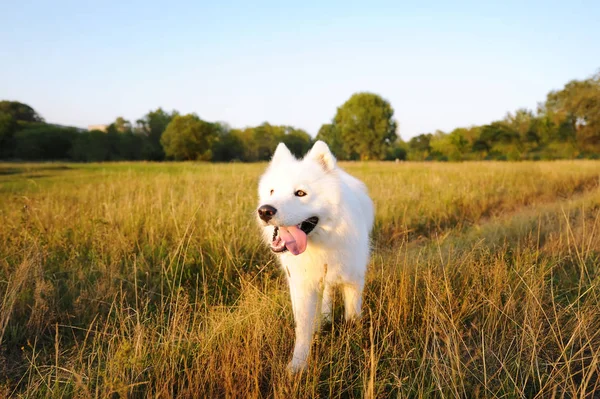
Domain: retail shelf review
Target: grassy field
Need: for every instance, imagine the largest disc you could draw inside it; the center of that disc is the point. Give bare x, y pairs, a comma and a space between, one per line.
150, 280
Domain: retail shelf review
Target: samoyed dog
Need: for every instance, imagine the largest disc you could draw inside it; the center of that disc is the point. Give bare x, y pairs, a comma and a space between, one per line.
317, 219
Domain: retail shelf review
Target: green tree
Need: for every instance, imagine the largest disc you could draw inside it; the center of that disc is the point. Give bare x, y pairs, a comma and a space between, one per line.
500, 141
44, 142
452, 147
120, 125
152, 126
266, 137
258, 143
578, 104
440, 146
366, 125
544, 129
419, 147
188, 137
331, 135
8, 127
246, 137
525, 124
459, 139
297, 141
397, 151
19, 111
92, 146
129, 146
228, 145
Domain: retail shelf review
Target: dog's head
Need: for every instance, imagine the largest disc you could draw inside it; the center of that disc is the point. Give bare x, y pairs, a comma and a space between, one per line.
298, 198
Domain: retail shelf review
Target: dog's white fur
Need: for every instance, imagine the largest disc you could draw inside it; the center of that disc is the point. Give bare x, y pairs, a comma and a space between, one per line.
338, 248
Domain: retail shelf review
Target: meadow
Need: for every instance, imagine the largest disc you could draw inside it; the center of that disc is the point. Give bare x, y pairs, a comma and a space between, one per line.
150, 280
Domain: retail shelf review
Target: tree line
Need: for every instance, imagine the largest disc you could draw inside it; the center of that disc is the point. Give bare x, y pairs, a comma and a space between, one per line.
565, 125
159, 135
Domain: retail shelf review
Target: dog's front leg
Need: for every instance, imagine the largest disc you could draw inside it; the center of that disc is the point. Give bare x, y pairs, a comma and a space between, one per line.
306, 299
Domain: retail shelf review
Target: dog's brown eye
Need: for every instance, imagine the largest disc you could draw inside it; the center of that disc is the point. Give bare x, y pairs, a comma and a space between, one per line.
299, 193
272, 192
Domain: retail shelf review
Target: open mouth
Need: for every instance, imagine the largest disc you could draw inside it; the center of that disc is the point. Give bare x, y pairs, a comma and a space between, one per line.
293, 238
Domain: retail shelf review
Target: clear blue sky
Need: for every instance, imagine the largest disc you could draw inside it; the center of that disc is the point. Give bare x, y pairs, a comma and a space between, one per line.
440, 64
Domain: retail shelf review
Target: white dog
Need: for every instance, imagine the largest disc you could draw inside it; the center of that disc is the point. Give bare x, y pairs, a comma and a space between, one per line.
317, 219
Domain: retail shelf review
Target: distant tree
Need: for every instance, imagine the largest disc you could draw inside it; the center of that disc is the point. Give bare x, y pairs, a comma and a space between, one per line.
397, 151
544, 127
459, 140
120, 125
266, 137
498, 132
19, 111
188, 137
246, 136
480, 147
567, 129
452, 147
258, 143
471, 133
523, 121
92, 146
501, 141
129, 146
98, 146
228, 145
578, 104
8, 127
366, 125
152, 126
297, 140
440, 145
421, 142
45, 142
419, 147
331, 135
122, 145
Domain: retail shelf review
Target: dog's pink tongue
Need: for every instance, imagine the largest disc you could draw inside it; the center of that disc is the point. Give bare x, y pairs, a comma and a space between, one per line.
294, 238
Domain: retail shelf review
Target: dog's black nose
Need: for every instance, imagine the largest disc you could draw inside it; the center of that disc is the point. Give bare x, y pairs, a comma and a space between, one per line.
266, 212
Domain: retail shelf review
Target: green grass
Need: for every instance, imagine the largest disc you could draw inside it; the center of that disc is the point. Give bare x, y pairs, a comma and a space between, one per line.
150, 280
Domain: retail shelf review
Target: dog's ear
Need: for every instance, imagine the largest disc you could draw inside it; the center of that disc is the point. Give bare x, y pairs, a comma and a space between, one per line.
322, 155
282, 153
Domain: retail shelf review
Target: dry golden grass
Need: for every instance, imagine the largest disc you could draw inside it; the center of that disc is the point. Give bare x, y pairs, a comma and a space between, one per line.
150, 280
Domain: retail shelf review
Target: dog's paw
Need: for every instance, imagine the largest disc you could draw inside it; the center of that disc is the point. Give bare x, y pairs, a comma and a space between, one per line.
296, 366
